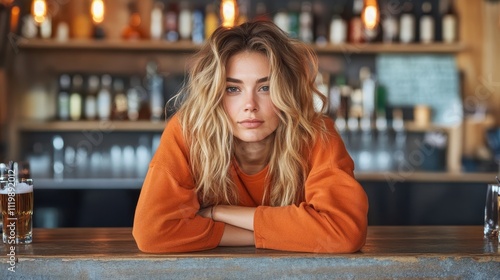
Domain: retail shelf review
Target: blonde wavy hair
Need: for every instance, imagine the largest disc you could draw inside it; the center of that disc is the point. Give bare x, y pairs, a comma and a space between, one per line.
207, 128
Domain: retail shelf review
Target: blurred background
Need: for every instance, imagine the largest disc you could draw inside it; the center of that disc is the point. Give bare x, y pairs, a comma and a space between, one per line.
413, 86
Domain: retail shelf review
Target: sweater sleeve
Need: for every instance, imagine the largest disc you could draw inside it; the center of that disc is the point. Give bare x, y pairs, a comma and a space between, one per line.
165, 217
333, 217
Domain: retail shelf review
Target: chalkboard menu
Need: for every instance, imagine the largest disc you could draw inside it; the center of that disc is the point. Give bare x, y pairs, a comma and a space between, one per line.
430, 80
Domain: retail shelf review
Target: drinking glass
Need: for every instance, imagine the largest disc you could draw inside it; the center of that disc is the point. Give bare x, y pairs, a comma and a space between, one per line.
491, 211
16, 203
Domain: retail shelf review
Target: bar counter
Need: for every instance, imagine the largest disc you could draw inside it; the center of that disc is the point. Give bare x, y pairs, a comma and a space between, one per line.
390, 252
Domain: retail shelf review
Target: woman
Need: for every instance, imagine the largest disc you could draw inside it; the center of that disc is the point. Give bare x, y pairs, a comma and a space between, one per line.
247, 160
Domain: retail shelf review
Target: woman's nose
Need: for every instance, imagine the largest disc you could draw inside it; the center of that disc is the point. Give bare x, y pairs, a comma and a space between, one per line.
250, 103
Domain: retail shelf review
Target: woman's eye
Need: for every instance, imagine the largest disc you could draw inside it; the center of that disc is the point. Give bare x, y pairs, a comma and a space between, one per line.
264, 88
232, 89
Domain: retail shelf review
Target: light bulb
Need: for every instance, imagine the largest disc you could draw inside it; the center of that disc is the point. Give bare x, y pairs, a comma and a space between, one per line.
229, 12
97, 11
39, 10
370, 14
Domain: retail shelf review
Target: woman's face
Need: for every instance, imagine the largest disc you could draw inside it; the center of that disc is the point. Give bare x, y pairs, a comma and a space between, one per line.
247, 99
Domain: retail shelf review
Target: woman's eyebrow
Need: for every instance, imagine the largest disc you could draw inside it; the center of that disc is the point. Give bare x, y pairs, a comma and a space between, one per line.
233, 80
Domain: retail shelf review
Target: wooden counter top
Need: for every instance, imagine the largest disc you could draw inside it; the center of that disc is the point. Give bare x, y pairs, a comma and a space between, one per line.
409, 251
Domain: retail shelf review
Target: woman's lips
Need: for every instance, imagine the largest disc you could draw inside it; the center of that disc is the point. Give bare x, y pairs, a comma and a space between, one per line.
251, 123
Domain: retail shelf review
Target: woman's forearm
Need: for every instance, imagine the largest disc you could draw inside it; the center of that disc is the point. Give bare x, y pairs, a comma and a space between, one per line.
237, 216
235, 236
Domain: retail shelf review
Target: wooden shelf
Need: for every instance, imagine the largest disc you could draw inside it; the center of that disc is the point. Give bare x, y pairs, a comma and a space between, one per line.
187, 46
426, 177
63, 126
107, 45
391, 48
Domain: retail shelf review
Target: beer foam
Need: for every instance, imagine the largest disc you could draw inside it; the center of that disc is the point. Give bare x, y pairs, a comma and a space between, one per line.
20, 188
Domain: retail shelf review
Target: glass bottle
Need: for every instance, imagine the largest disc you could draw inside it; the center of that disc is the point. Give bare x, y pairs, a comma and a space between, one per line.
355, 23
407, 24
171, 24
63, 97
104, 98
75, 99
338, 26
198, 34
133, 30
185, 21
293, 19
119, 100
427, 23
243, 12
211, 20
320, 24
450, 23
156, 28
390, 24
155, 88
261, 12
133, 99
282, 20
306, 22
91, 98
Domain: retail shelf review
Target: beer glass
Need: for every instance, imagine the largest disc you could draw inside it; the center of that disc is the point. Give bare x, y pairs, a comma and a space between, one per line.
3, 178
16, 202
491, 210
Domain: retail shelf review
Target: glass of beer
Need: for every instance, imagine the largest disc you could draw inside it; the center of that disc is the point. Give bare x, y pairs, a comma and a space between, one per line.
491, 211
16, 203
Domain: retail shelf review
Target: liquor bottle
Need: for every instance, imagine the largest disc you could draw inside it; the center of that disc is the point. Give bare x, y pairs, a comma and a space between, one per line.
211, 20
119, 111
104, 98
155, 88
261, 12
185, 21
129, 162
380, 108
58, 157
81, 24
133, 30
320, 25
171, 22
450, 23
75, 99
407, 24
334, 101
198, 33
63, 97
427, 23
338, 26
368, 88
46, 28
355, 23
133, 99
390, 25
282, 20
293, 19
156, 28
243, 12
90, 112
306, 23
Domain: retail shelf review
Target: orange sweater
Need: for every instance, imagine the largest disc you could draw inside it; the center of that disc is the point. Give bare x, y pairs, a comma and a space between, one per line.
333, 217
